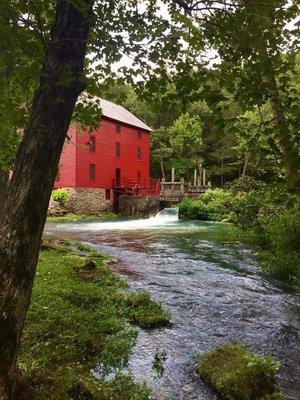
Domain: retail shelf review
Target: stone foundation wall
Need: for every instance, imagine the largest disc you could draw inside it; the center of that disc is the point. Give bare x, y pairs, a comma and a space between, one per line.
138, 206
87, 201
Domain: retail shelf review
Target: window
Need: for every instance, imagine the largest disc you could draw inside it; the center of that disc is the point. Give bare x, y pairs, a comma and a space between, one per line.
107, 194
92, 144
139, 177
118, 128
92, 172
139, 134
139, 154
118, 149
57, 176
118, 177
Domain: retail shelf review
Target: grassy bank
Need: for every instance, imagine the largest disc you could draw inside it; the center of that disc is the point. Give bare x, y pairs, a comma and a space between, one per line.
237, 374
71, 217
268, 215
79, 317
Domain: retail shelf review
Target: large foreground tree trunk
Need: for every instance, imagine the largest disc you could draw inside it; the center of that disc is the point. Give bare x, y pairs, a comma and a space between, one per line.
3, 188
26, 204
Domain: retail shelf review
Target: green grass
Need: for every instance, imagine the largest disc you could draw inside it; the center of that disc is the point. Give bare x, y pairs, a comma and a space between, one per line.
237, 374
78, 318
70, 217
145, 312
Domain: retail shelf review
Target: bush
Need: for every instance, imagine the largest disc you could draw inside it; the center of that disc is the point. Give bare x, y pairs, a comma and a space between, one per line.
237, 374
282, 264
213, 205
282, 231
249, 207
279, 234
192, 209
60, 195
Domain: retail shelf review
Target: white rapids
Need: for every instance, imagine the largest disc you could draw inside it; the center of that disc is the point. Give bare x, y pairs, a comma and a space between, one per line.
167, 218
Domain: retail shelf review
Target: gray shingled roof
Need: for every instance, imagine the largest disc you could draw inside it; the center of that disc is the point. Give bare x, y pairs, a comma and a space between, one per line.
119, 113
116, 112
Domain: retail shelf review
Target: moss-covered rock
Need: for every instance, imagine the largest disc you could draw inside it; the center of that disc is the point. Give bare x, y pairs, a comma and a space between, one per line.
237, 374
145, 312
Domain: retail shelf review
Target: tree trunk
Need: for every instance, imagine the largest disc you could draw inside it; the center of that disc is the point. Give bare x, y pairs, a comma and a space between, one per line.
28, 195
222, 171
3, 188
291, 156
163, 175
247, 159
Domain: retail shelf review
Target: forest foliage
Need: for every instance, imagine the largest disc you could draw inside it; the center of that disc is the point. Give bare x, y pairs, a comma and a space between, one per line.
189, 63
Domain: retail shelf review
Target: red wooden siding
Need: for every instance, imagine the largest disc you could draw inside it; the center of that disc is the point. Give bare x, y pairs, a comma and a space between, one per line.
75, 160
67, 170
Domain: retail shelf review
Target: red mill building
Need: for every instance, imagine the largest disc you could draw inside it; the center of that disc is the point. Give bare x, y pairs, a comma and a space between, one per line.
97, 167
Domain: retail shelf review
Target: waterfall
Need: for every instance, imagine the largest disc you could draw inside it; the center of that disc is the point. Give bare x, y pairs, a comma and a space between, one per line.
165, 219
168, 214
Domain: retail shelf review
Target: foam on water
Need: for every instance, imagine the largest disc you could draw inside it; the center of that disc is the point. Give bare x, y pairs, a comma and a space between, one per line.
167, 218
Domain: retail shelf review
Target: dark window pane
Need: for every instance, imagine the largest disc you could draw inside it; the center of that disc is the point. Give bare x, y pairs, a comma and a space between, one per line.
118, 128
92, 144
92, 172
118, 149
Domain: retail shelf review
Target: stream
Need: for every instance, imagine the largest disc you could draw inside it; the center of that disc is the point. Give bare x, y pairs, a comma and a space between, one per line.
213, 289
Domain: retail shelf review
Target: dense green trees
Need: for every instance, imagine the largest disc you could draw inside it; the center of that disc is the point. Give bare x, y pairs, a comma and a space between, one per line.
253, 60
178, 145
256, 68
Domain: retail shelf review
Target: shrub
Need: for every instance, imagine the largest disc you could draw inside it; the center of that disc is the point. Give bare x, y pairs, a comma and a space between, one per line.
192, 209
282, 264
282, 231
237, 374
249, 207
279, 234
245, 207
60, 195
212, 205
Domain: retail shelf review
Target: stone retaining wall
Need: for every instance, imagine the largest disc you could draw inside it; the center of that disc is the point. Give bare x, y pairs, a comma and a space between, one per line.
87, 201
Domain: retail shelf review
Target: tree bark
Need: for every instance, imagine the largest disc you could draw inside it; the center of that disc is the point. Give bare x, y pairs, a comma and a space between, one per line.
291, 156
222, 171
163, 175
25, 209
3, 188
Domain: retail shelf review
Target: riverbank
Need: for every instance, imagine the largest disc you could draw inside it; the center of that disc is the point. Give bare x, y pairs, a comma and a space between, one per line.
79, 318
71, 217
266, 215
211, 284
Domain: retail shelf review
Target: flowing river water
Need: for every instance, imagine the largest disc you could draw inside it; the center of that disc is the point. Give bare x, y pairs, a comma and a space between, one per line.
213, 289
